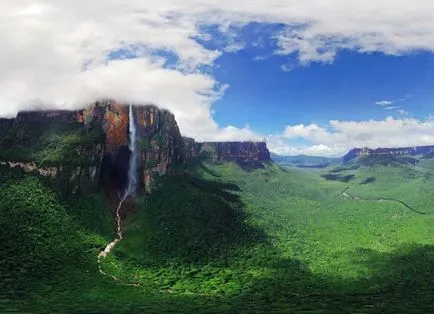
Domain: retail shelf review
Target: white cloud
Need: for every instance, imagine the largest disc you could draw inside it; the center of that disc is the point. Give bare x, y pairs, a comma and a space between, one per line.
260, 58
402, 112
392, 108
231, 133
340, 136
286, 67
57, 52
281, 146
384, 102
234, 47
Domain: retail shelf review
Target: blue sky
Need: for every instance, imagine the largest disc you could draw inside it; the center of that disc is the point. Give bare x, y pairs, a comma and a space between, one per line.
312, 77
267, 98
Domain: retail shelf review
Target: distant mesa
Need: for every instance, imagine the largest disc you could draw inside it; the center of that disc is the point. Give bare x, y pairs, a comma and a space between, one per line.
305, 161
249, 154
361, 156
422, 151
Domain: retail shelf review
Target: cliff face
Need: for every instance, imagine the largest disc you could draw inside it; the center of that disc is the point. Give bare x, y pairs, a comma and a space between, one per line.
191, 148
55, 145
402, 151
252, 154
86, 149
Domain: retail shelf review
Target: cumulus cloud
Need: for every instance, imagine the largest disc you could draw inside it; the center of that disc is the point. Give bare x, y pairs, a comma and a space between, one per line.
60, 53
282, 146
338, 137
384, 102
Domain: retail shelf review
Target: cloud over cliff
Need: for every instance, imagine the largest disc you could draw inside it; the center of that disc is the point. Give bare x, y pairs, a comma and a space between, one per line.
66, 53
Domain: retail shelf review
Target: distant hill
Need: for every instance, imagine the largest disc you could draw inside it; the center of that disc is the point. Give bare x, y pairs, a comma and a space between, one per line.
385, 160
419, 151
366, 168
304, 161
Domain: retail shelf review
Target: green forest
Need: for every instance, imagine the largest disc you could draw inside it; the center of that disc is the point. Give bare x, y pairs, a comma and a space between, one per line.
225, 239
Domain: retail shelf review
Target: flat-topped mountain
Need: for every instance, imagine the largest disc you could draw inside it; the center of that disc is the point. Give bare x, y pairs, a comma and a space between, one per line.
304, 161
401, 151
243, 152
87, 149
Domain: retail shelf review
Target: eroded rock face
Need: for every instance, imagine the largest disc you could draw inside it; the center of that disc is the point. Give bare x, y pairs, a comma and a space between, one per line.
89, 148
32, 167
191, 148
159, 141
86, 150
252, 154
401, 151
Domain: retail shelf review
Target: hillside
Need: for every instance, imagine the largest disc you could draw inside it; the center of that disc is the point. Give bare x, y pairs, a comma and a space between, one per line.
304, 161
268, 238
214, 236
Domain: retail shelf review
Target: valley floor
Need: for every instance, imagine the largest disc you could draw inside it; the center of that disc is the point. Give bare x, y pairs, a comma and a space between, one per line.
227, 240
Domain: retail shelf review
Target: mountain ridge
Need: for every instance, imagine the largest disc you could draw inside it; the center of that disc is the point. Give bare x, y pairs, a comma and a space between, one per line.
304, 161
399, 151
88, 149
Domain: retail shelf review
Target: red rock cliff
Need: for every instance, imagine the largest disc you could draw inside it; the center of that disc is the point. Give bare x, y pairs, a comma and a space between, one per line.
89, 147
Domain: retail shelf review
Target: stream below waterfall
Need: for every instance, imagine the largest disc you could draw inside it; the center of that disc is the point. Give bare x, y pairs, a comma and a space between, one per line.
129, 192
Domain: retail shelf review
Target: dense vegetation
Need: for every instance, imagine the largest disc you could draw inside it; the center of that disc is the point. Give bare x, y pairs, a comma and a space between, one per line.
54, 143
223, 239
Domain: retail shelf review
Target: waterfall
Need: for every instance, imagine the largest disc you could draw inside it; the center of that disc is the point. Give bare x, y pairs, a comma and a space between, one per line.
130, 190
132, 171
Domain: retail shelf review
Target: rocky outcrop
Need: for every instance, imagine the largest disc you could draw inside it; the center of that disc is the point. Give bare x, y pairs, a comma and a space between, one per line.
245, 153
191, 148
5, 126
55, 145
32, 167
89, 148
159, 140
402, 151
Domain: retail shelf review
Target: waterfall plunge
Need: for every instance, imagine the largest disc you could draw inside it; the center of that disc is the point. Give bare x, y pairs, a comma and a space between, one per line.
131, 189
132, 171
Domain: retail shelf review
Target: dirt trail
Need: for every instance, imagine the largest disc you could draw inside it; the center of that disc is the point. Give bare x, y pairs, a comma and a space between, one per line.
346, 194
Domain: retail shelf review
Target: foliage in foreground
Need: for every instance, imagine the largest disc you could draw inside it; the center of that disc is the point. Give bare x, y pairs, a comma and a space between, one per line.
225, 240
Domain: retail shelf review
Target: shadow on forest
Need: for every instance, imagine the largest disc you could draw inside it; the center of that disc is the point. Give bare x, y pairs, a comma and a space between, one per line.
199, 165
194, 221
399, 282
368, 180
210, 220
335, 177
250, 166
341, 169
189, 219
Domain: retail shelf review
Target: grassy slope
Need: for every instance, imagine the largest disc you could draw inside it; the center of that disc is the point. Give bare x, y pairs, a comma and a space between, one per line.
225, 240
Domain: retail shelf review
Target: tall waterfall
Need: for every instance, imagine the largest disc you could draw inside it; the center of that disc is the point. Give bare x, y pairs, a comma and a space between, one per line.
132, 171
131, 188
